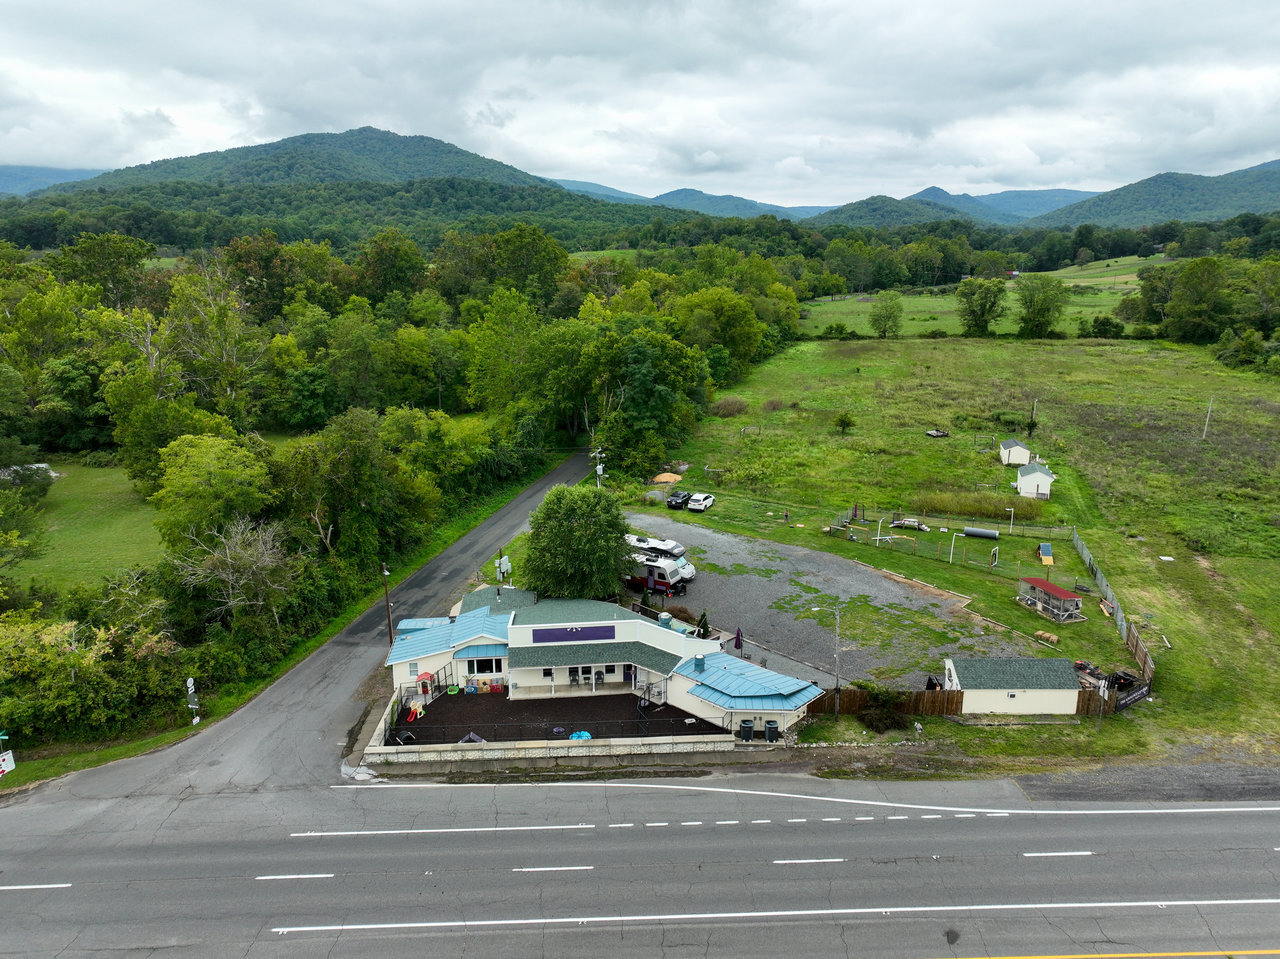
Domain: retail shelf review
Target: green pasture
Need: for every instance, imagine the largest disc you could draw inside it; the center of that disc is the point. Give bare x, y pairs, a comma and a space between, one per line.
1096, 289
97, 525
1120, 422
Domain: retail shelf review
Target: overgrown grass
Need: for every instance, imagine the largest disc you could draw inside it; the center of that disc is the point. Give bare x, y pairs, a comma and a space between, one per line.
1119, 422
98, 524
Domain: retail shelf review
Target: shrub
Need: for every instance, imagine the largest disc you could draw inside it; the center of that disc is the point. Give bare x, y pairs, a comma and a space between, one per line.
934, 334
772, 406
728, 406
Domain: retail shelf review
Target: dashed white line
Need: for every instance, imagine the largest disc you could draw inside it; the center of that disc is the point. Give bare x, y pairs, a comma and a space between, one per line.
897, 817
864, 818
797, 820
657, 824
727, 822
46, 885
554, 869
832, 819
692, 822
802, 862
756, 822
996, 815
964, 815
1083, 852
301, 875
621, 825
931, 817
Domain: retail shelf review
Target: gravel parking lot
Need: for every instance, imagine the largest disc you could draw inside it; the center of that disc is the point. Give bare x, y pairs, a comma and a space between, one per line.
894, 631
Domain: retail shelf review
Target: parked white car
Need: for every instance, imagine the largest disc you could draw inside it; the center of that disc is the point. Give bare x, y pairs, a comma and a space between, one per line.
701, 502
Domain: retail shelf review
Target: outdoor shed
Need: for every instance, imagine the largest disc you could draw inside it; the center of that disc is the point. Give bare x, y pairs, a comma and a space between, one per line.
1034, 481
1014, 453
741, 690
1025, 685
1054, 602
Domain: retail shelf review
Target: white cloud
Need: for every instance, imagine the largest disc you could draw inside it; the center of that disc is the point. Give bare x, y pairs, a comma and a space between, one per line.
800, 102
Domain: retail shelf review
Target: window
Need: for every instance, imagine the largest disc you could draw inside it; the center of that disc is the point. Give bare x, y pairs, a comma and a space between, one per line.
548, 673
484, 665
573, 672
414, 670
610, 669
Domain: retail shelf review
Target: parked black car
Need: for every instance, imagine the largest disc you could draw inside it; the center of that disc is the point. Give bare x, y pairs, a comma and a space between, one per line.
678, 499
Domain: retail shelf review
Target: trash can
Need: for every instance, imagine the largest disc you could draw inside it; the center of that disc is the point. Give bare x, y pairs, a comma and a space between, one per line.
771, 731
747, 730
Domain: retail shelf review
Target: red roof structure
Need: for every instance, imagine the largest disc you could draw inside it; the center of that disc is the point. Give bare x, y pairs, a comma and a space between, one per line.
1049, 588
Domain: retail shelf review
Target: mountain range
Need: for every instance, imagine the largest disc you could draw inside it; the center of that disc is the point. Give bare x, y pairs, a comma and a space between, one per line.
369, 155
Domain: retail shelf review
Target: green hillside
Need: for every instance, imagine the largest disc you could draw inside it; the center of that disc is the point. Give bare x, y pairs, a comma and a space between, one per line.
365, 154
1176, 196
878, 211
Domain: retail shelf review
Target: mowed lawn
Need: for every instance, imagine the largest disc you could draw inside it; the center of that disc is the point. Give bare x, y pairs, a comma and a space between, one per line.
98, 524
1120, 422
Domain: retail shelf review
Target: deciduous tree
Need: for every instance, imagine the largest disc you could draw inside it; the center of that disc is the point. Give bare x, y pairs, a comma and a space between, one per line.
577, 545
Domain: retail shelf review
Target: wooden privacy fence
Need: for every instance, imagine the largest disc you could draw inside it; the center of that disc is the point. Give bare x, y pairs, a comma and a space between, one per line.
923, 702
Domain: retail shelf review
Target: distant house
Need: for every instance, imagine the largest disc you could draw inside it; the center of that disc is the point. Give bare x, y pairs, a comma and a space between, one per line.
1014, 453
1054, 602
1034, 481
1026, 685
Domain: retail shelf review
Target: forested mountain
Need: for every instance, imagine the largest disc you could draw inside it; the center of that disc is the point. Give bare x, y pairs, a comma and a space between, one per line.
24, 179
603, 192
191, 216
699, 202
883, 211
1176, 196
1029, 203
363, 155
966, 205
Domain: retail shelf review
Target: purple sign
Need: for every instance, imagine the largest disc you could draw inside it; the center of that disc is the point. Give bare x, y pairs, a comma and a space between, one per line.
572, 634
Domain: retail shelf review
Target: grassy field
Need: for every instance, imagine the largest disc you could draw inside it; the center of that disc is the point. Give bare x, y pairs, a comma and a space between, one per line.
98, 524
1096, 289
1119, 422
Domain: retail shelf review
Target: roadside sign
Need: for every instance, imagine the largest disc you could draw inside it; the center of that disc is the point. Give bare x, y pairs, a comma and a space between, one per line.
7, 764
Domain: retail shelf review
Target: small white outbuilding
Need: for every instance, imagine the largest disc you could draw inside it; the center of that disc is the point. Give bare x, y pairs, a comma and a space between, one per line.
1034, 481
1026, 685
1014, 452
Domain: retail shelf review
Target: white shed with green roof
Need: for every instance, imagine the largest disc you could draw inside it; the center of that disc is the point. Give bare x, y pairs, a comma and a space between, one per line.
1024, 685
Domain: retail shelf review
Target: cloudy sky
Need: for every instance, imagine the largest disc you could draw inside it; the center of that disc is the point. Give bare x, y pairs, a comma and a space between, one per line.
800, 102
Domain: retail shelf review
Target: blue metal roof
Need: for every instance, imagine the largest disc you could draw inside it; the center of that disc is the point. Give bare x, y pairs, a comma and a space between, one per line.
480, 649
442, 634
733, 683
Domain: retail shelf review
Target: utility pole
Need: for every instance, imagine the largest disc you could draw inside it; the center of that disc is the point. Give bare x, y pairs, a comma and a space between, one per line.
835, 610
386, 595
1206, 419
598, 455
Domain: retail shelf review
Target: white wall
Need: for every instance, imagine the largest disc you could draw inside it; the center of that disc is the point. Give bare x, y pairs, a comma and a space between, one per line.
1025, 702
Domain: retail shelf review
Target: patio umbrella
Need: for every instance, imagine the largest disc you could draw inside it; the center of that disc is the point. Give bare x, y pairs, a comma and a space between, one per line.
737, 639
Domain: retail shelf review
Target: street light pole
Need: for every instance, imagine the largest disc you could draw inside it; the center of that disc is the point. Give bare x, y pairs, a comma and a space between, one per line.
837, 653
386, 595
953, 546
1009, 510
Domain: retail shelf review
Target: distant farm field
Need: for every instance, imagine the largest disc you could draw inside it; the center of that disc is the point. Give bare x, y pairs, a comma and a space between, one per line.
1120, 422
1096, 289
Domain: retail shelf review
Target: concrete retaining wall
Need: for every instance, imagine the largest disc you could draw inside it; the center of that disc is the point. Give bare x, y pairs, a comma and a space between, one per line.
527, 752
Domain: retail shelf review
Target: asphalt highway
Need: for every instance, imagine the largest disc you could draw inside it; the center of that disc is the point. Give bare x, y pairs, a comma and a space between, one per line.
245, 840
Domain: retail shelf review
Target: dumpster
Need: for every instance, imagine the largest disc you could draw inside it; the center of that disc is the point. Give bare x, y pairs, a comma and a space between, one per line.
747, 730
771, 731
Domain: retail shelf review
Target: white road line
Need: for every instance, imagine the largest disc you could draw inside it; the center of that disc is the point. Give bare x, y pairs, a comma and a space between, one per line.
757, 822
555, 869
964, 815
801, 862
692, 822
421, 832
657, 824
797, 820
621, 825
934, 816
301, 875
996, 815
727, 822
947, 908
897, 817
864, 819
45, 885
1083, 852
832, 819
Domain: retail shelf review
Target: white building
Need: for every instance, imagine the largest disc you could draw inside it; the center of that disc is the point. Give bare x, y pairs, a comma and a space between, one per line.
506, 641
1034, 481
1026, 685
1014, 452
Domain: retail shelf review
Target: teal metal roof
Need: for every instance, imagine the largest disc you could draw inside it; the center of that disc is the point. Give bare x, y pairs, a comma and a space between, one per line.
590, 654
480, 650
732, 683
441, 635
1016, 672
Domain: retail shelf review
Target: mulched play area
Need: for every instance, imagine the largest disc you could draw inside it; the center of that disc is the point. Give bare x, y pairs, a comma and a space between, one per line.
494, 718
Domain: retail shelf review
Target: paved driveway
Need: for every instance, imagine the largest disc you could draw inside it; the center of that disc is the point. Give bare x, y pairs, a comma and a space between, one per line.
894, 631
